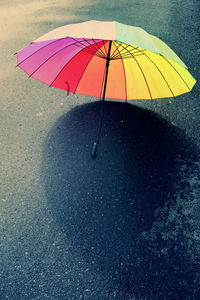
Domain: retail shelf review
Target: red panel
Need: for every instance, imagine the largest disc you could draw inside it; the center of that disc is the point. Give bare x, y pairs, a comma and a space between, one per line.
70, 75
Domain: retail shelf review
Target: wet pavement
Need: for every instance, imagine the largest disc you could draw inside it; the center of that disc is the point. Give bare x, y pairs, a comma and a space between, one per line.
125, 225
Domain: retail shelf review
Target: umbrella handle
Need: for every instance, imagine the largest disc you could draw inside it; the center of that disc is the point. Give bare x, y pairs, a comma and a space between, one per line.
94, 150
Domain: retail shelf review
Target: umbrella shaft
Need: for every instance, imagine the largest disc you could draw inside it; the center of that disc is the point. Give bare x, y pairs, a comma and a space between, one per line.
95, 145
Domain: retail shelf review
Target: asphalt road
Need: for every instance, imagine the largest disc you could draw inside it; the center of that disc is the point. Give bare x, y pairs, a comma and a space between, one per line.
125, 225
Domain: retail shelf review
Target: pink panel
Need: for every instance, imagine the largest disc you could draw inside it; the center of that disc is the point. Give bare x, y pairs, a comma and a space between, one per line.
48, 71
30, 49
50, 59
39, 57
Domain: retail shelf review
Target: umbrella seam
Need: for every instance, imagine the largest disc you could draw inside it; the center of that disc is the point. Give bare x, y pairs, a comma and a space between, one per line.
105, 50
144, 78
64, 67
158, 70
101, 90
51, 55
99, 48
129, 51
114, 56
160, 73
85, 70
177, 72
50, 58
36, 51
163, 75
87, 41
124, 74
91, 51
142, 74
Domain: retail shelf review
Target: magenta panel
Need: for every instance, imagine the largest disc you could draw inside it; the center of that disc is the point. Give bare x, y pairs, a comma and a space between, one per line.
51, 58
39, 57
50, 69
30, 49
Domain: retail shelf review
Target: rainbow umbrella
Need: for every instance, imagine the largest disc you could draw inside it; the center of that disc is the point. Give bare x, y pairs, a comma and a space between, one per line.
106, 60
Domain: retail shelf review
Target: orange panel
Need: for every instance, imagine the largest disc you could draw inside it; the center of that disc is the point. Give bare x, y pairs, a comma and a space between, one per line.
116, 82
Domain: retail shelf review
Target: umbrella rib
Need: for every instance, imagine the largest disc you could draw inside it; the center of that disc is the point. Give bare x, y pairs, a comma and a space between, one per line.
105, 50
99, 48
82, 46
91, 45
49, 59
129, 56
143, 75
105, 54
160, 73
95, 49
117, 48
64, 67
141, 52
176, 71
125, 48
83, 73
85, 70
57, 53
36, 51
86, 49
127, 53
124, 74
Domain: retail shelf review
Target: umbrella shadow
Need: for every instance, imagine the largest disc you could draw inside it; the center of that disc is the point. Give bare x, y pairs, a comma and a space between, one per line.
106, 206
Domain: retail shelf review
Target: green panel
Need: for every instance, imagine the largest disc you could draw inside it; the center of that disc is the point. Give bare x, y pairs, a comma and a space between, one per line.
138, 37
166, 51
135, 36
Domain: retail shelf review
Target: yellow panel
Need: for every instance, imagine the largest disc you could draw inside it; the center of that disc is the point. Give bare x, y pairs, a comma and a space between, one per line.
178, 78
157, 85
149, 75
135, 81
185, 74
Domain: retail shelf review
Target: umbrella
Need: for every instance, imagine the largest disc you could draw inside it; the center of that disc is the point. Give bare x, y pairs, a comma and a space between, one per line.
106, 60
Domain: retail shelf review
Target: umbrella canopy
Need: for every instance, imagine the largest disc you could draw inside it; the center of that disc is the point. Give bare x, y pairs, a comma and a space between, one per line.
76, 58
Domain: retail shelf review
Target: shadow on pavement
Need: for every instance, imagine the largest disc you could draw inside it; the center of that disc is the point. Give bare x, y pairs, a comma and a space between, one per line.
123, 211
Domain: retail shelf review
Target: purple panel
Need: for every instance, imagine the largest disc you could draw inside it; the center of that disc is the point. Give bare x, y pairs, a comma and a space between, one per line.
39, 57
63, 48
46, 63
48, 72
30, 49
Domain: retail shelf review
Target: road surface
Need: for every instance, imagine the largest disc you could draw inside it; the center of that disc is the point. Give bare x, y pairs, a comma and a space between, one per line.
125, 225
